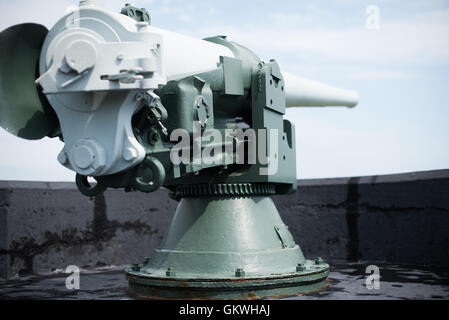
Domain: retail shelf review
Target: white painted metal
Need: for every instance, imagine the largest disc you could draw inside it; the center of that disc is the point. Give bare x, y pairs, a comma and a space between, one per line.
94, 63
301, 92
185, 55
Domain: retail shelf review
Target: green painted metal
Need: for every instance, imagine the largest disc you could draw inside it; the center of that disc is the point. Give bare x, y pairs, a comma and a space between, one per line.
227, 247
227, 239
24, 111
223, 189
243, 92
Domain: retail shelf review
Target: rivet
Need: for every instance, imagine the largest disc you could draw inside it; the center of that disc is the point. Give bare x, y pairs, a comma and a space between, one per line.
319, 260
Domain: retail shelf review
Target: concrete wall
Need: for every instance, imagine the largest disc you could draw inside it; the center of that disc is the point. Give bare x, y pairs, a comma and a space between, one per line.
400, 218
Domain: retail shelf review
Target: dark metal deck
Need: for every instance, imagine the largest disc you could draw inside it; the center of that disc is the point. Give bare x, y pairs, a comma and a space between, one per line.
346, 282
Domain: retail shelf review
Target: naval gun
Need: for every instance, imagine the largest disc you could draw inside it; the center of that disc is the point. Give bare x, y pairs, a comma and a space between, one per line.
141, 108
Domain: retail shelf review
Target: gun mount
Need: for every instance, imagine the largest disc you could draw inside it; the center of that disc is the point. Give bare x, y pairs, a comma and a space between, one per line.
142, 108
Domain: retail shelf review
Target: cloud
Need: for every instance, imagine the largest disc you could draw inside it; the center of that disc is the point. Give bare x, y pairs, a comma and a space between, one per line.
182, 13
184, 17
420, 39
376, 74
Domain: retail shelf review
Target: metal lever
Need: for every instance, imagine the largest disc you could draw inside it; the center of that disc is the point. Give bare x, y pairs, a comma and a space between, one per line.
127, 76
157, 112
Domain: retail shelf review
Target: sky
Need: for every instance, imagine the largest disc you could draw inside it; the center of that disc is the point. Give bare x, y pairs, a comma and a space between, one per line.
399, 66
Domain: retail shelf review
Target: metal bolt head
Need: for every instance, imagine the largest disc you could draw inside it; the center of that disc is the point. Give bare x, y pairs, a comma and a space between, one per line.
62, 157
135, 267
146, 260
300, 267
83, 156
239, 272
319, 260
140, 96
170, 272
129, 154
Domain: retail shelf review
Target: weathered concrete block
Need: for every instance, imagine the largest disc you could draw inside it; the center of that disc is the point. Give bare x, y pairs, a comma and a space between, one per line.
45, 226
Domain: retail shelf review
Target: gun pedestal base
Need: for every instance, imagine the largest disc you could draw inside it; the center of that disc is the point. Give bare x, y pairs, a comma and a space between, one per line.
227, 248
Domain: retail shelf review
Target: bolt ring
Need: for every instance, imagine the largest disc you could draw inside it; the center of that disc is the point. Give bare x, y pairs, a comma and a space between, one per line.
86, 188
158, 176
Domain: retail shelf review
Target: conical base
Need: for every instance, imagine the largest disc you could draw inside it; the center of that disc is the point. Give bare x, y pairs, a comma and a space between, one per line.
227, 248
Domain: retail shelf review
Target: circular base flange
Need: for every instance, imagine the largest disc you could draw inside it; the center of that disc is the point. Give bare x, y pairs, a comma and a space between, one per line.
145, 285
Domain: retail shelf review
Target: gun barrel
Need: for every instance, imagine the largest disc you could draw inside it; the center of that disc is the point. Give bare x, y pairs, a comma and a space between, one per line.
301, 92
